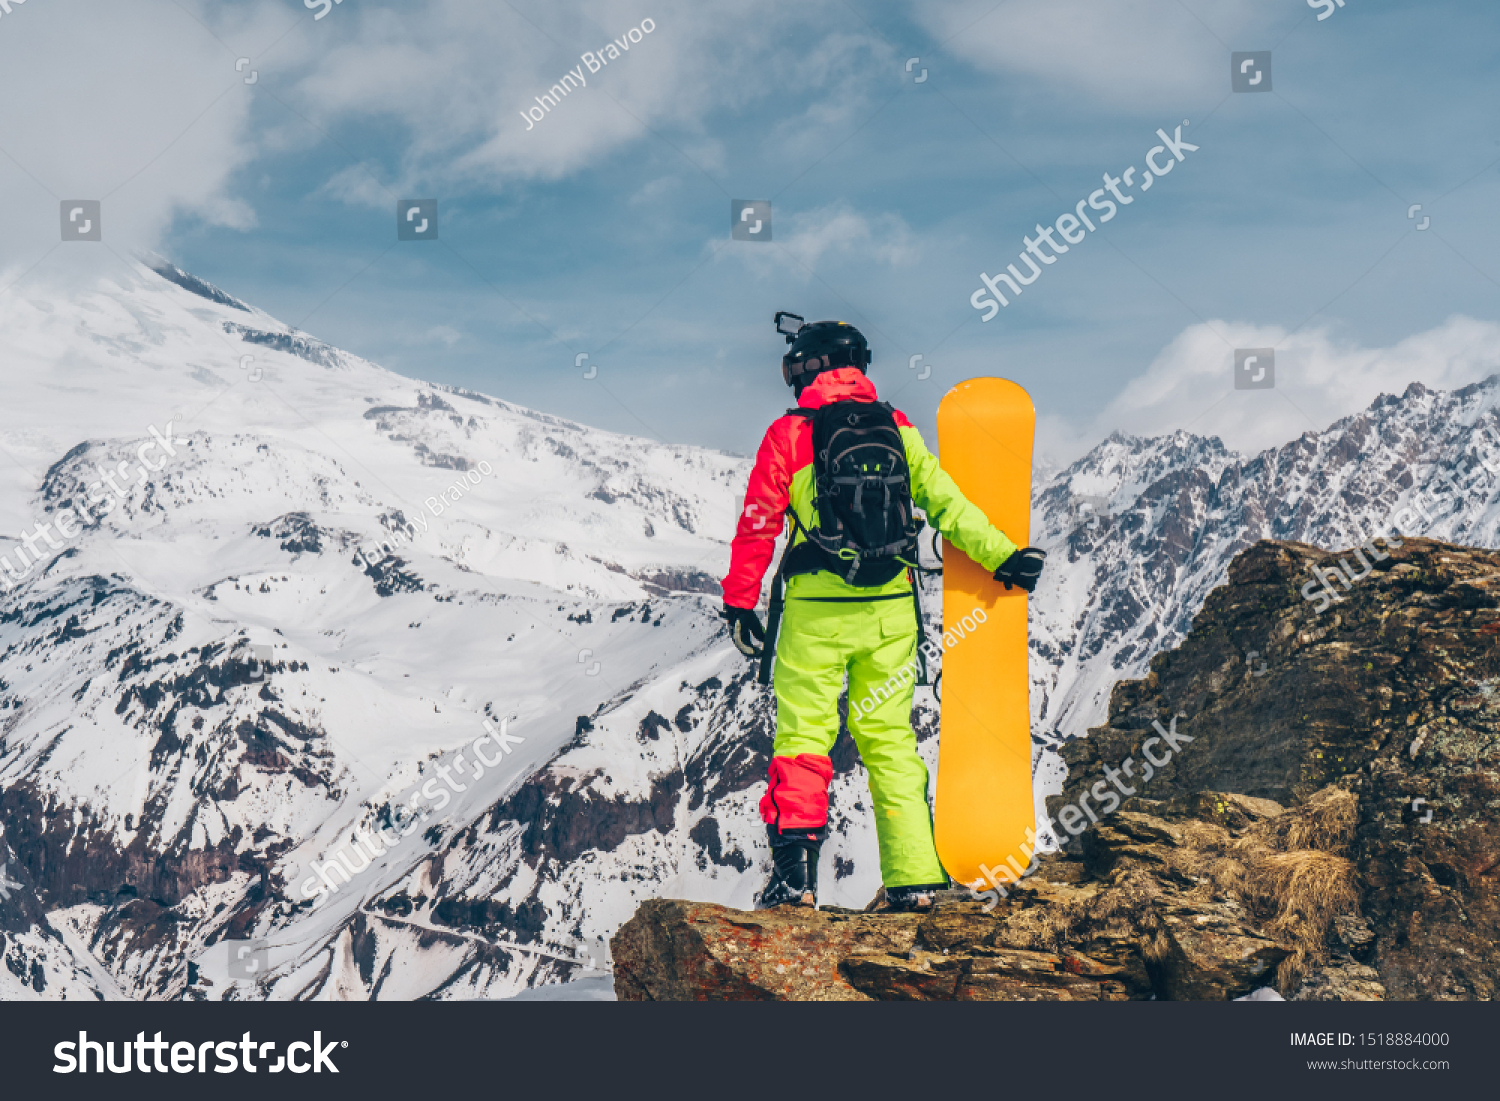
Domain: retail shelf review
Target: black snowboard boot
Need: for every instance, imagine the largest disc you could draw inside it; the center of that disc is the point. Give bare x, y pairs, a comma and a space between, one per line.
794, 875
919, 898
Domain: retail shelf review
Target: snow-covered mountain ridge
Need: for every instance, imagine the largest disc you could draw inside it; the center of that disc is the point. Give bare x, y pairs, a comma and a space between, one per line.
1161, 519
310, 609
334, 578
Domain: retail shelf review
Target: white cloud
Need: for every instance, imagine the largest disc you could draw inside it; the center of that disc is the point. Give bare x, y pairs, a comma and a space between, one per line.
135, 105
1319, 379
1142, 55
660, 189
358, 185
142, 105
885, 238
456, 76
838, 232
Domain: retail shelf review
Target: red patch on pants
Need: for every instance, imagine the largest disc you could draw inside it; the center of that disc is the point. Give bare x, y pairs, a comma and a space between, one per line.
798, 794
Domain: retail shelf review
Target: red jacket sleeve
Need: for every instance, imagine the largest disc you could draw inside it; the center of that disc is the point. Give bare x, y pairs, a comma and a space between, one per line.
761, 519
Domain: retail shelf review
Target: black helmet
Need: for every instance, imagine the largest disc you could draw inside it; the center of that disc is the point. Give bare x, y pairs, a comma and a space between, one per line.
822, 346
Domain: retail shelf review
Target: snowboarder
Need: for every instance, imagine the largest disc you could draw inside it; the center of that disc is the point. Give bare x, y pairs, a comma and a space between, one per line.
850, 605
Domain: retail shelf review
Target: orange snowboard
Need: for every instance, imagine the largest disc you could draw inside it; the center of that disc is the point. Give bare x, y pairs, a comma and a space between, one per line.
984, 792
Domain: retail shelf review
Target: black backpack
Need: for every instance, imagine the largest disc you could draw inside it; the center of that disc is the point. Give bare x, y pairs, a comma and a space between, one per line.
866, 531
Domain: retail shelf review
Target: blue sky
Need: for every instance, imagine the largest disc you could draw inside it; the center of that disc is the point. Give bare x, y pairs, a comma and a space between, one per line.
605, 229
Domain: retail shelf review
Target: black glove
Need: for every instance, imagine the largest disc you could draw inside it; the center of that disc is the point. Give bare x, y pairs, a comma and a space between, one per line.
1023, 568
744, 626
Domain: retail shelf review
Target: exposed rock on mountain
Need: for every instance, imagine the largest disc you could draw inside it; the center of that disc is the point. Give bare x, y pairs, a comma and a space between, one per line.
1136, 919
1321, 818
1381, 713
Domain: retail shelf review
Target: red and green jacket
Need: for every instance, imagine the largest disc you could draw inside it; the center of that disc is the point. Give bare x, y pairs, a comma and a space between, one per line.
783, 478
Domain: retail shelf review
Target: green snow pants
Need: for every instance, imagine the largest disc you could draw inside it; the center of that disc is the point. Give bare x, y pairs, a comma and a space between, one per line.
875, 643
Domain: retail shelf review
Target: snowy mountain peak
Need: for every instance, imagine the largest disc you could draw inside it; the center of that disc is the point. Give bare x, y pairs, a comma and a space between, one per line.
261, 587
417, 691
1147, 527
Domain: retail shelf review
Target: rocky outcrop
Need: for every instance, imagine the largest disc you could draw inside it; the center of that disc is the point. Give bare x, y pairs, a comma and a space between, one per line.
697, 951
1377, 718
1137, 917
1316, 813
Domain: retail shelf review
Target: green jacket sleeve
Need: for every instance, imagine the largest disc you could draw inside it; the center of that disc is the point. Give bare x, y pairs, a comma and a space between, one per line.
948, 510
